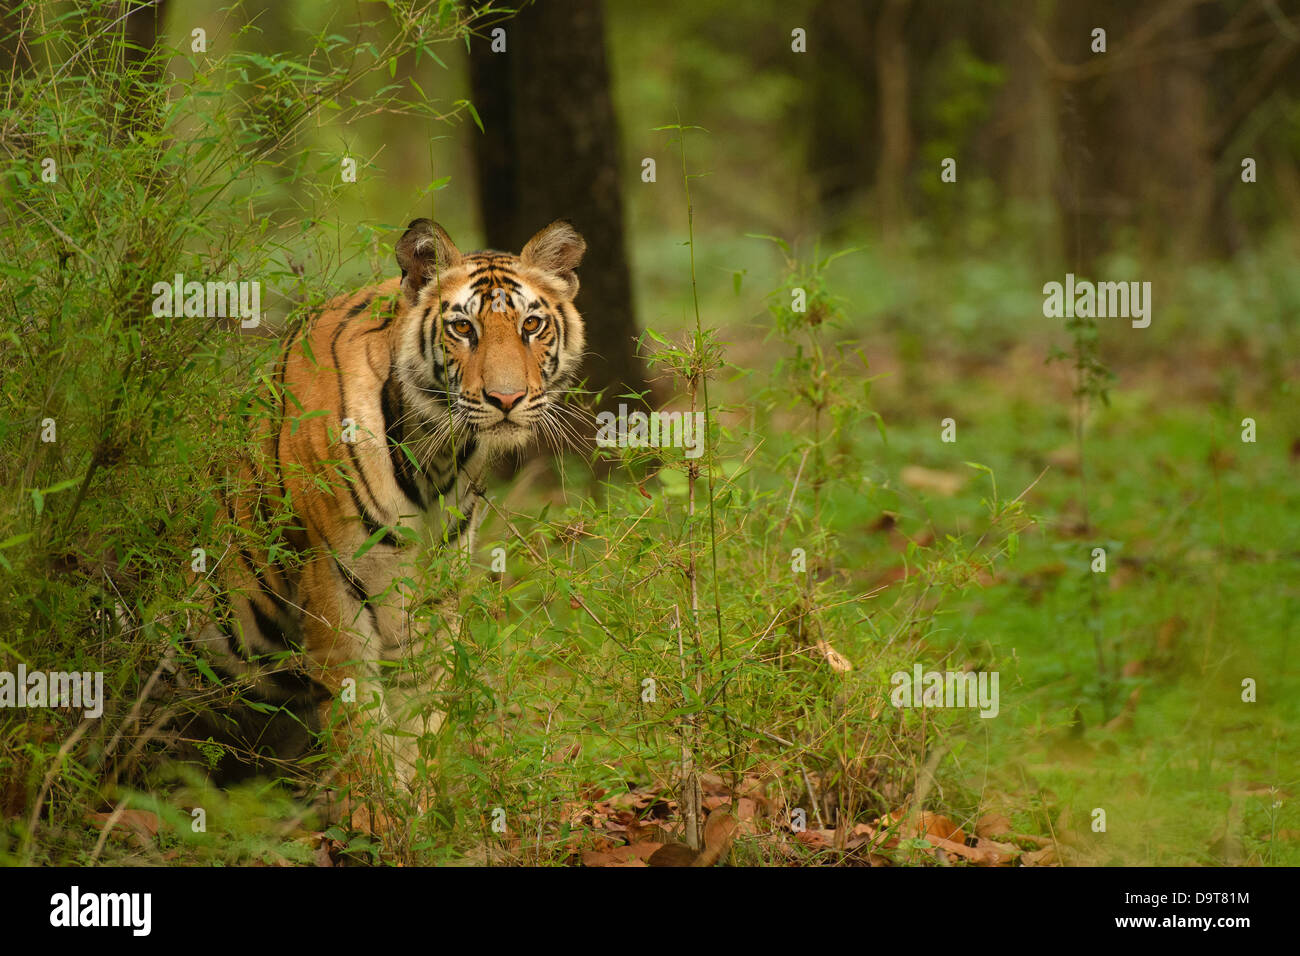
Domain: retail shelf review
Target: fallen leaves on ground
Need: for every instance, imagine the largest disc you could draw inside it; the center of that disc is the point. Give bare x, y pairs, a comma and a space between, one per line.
140, 822
642, 827
719, 831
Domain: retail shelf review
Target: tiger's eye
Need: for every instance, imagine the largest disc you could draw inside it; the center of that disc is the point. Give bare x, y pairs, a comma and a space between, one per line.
462, 326
532, 323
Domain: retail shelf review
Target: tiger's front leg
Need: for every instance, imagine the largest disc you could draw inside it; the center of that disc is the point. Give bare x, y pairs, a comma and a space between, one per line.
380, 660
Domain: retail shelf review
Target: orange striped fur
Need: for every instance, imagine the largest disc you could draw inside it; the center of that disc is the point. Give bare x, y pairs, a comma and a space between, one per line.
391, 402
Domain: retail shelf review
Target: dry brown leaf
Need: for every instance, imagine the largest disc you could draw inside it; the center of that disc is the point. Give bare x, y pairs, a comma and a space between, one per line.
860, 835
711, 783
1044, 857
138, 821
943, 483
719, 831
958, 849
643, 851
984, 853
834, 658
817, 839
933, 825
635, 853
1035, 840
993, 824
998, 854
672, 854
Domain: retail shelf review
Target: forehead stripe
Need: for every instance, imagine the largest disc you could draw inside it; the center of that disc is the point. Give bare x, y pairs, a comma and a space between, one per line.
491, 280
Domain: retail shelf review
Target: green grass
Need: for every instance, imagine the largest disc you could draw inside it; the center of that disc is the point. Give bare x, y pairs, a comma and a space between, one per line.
611, 582
1198, 528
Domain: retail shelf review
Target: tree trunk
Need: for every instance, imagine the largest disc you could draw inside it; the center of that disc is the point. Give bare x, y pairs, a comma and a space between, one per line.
143, 26
895, 121
550, 151
841, 98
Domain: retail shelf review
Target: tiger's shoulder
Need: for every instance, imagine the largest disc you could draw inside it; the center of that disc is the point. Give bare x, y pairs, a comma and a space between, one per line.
349, 328
347, 345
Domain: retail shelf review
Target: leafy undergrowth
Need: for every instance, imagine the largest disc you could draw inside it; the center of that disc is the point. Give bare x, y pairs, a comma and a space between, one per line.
1129, 731
696, 651
1121, 690
746, 825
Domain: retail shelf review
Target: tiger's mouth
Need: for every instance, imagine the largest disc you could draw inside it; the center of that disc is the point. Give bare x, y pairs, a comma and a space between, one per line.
505, 425
504, 434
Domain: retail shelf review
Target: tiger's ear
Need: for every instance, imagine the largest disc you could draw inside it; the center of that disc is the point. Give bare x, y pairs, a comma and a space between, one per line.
557, 249
424, 251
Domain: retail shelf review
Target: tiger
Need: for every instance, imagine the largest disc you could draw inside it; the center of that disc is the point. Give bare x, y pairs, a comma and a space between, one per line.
389, 407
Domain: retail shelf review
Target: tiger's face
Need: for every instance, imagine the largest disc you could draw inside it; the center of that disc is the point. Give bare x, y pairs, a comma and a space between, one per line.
490, 338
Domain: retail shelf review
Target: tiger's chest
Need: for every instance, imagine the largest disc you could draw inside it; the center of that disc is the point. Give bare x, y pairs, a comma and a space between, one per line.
425, 535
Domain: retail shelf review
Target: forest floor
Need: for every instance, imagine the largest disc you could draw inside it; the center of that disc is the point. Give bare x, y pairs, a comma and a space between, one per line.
1201, 593
1147, 710
1150, 757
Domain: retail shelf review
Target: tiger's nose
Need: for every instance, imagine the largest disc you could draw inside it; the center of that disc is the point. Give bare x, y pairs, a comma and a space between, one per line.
505, 401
